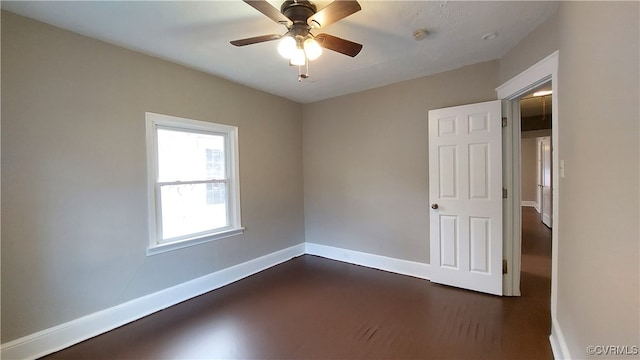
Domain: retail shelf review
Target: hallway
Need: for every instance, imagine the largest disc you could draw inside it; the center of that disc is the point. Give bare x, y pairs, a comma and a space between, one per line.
535, 276
536, 253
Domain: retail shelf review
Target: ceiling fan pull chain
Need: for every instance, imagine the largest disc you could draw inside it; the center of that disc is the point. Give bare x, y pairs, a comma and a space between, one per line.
302, 76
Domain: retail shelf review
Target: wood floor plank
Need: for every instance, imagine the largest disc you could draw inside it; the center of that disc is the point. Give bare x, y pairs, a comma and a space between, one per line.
315, 308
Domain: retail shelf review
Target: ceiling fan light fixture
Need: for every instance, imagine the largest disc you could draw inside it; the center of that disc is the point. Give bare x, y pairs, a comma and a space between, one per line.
300, 17
312, 49
287, 47
298, 57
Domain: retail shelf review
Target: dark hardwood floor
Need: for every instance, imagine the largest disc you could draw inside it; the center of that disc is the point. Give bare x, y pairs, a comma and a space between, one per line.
311, 307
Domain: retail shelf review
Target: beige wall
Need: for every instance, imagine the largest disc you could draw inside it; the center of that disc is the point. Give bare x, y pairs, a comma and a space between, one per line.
599, 202
598, 77
528, 169
74, 201
366, 162
540, 43
365, 174
528, 163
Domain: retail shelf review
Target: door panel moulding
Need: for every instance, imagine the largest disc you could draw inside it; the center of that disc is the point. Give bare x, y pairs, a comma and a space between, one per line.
466, 218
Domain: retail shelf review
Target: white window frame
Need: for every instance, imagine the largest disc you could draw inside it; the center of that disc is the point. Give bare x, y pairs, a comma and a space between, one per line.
155, 121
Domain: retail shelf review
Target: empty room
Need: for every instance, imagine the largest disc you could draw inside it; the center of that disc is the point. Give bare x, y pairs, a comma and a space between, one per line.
320, 179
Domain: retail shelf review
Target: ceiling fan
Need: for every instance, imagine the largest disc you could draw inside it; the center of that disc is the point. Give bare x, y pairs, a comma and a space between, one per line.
300, 17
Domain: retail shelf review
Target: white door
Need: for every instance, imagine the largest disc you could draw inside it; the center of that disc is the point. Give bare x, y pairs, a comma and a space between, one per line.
546, 180
465, 193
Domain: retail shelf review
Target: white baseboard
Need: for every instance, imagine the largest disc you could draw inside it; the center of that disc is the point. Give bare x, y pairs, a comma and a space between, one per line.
64, 335
59, 337
405, 267
558, 344
529, 203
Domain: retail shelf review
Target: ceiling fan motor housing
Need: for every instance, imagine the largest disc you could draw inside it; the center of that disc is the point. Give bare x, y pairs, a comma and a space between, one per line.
301, 17
298, 10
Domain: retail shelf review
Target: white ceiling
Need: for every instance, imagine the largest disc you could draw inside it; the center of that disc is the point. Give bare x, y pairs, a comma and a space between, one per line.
197, 34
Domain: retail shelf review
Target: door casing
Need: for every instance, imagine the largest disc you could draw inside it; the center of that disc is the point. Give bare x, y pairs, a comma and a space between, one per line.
538, 175
545, 181
546, 70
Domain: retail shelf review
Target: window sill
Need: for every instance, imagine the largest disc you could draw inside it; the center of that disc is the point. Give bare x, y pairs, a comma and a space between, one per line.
162, 248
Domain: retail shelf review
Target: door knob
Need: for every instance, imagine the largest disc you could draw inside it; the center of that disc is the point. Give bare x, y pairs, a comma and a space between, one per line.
434, 206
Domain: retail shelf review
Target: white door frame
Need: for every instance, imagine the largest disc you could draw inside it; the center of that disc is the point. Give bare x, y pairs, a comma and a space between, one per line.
546, 152
539, 175
544, 71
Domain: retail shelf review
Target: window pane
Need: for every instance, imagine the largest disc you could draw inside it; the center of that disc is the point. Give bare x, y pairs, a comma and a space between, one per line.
193, 208
216, 193
215, 164
188, 156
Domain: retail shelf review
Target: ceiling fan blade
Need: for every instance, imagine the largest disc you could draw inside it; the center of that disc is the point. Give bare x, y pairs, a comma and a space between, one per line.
337, 44
272, 13
333, 12
255, 40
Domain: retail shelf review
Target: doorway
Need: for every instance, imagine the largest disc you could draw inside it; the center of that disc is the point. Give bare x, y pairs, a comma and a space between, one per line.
536, 193
543, 72
536, 151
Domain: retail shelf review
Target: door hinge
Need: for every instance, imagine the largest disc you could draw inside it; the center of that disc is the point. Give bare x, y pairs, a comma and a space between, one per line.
504, 193
504, 266
504, 122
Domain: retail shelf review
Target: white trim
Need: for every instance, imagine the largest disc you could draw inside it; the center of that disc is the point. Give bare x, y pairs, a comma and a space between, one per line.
558, 343
534, 76
404, 267
154, 121
64, 335
161, 248
59, 337
512, 215
543, 71
529, 203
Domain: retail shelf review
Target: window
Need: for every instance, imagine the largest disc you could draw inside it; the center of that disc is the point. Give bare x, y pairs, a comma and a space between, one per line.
215, 168
194, 192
